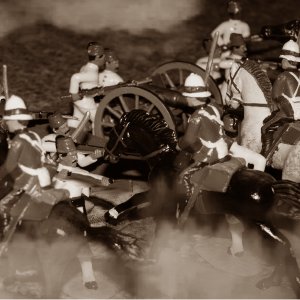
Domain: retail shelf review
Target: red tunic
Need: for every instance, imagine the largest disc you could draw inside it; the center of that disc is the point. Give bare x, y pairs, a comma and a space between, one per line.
205, 136
286, 92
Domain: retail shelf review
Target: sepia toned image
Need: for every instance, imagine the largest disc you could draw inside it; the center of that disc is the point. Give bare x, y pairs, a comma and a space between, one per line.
149, 149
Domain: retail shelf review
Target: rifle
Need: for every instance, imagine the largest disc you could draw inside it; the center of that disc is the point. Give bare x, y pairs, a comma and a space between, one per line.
43, 115
103, 90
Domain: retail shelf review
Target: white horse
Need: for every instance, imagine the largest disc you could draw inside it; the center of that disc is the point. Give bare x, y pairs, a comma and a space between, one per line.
249, 86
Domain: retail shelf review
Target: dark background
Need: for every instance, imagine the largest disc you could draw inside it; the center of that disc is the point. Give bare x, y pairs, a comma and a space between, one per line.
42, 52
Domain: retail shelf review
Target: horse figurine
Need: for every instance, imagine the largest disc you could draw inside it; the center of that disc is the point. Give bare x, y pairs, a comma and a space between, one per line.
250, 194
250, 87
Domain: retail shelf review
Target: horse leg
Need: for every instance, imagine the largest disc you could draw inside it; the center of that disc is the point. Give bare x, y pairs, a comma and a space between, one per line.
286, 263
88, 275
113, 214
236, 229
55, 257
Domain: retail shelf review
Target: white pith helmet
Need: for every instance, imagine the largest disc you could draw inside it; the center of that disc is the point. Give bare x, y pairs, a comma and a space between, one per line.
15, 109
194, 87
290, 51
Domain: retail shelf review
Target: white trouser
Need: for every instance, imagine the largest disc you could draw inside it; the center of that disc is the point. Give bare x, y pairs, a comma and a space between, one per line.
251, 157
80, 108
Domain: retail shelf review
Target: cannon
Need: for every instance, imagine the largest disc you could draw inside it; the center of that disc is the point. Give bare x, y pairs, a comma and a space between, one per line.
161, 95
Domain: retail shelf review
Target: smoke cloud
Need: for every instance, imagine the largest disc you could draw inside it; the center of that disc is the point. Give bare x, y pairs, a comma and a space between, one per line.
92, 15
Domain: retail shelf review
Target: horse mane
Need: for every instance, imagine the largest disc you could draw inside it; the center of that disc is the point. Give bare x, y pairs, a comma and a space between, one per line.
261, 78
153, 124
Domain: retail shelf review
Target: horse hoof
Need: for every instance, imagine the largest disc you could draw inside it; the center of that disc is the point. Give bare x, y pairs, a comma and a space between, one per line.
91, 285
237, 254
109, 219
267, 283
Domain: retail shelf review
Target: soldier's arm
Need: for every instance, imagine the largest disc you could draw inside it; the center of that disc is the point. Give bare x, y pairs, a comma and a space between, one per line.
190, 142
14, 153
278, 88
75, 81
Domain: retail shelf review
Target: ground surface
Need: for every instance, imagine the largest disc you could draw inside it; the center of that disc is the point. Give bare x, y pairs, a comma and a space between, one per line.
194, 264
41, 58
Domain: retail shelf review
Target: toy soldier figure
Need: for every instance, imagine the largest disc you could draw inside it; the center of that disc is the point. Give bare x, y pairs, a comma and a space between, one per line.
69, 174
30, 199
87, 78
238, 52
206, 142
233, 25
285, 94
110, 76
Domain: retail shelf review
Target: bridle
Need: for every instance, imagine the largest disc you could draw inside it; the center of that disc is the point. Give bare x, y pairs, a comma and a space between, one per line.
233, 84
119, 140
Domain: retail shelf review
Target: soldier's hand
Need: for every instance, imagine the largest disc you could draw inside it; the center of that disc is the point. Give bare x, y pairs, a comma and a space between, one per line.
62, 174
75, 97
98, 153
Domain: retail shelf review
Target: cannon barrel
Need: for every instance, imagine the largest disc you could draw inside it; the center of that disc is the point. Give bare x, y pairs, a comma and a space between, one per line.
170, 98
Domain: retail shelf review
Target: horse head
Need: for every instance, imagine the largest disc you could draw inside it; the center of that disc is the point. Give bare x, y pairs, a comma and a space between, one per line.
139, 135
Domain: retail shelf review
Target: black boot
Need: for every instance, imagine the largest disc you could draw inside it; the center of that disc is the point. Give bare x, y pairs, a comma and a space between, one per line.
266, 139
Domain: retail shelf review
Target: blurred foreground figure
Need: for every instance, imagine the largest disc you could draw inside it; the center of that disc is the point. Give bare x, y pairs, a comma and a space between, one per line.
30, 199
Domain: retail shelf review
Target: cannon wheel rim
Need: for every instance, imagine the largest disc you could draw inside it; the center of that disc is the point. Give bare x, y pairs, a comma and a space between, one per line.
163, 70
139, 94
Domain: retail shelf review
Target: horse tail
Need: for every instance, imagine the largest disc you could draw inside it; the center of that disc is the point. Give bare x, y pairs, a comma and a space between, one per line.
287, 198
119, 242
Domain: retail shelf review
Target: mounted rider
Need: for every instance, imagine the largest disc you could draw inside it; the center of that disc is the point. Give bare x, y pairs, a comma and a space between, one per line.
285, 94
205, 139
238, 52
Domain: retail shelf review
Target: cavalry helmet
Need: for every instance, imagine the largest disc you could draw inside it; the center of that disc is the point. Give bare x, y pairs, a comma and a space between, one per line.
56, 120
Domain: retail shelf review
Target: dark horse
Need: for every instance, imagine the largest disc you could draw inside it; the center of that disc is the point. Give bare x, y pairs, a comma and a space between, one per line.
52, 236
250, 195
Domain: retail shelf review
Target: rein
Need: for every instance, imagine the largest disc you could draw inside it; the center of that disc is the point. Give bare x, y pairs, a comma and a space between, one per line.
145, 157
256, 104
129, 156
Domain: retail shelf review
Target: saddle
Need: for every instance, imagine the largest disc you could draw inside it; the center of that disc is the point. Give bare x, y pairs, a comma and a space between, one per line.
216, 177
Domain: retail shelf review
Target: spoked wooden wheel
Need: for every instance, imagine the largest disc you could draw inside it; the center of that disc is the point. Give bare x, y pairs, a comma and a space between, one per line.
173, 74
125, 99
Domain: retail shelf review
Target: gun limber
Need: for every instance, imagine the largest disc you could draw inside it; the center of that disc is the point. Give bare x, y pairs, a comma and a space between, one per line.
102, 91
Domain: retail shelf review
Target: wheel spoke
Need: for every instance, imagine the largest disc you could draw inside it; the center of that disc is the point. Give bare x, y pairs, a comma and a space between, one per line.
181, 77
114, 112
150, 108
107, 124
123, 103
136, 102
170, 82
